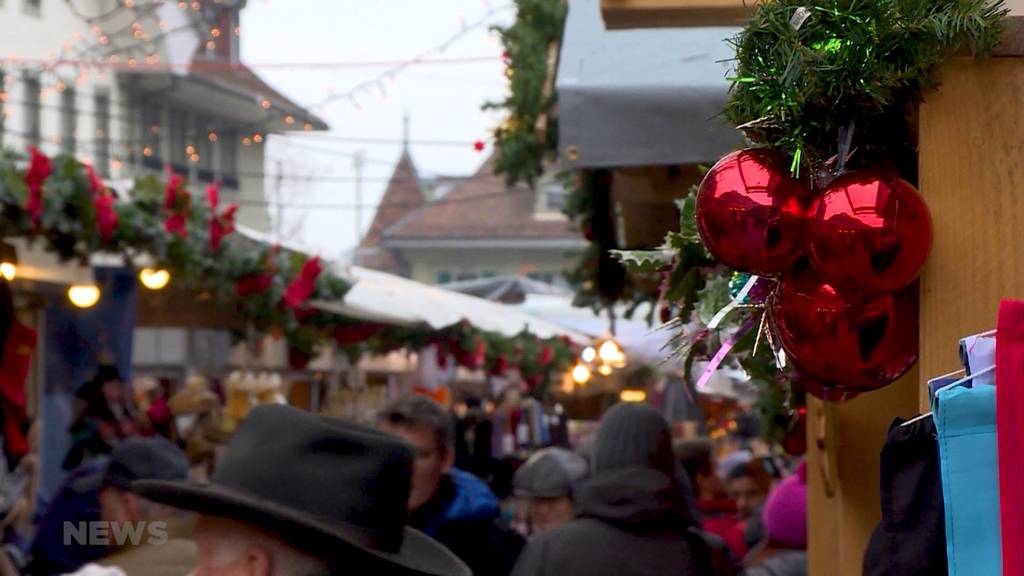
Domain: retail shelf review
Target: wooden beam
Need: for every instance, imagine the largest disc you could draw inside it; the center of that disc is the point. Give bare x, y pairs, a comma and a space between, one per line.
674, 13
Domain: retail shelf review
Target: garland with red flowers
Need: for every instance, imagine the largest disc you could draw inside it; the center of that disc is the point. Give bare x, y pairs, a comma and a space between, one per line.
62, 204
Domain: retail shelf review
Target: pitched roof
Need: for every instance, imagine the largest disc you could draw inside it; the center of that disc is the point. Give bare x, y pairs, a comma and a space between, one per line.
242, 79
482, 207
401, 197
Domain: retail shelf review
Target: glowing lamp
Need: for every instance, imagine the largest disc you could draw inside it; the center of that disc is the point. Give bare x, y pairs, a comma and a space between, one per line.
581, 374
589, 354
632, 396
154, 279
84, 295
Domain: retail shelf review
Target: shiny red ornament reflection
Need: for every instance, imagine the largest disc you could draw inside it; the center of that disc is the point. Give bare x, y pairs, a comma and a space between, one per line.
870, 231
854, 343
823, 392
750, 212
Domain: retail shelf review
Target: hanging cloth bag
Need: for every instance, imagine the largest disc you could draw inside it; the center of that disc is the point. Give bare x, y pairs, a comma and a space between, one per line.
965, 420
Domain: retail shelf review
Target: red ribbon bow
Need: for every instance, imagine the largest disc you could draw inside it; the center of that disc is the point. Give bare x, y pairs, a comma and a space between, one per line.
176, 204
302, 286
103, 202
39, 169
221, 223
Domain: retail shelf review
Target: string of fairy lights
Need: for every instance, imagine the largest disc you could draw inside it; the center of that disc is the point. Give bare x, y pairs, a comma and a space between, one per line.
140, 25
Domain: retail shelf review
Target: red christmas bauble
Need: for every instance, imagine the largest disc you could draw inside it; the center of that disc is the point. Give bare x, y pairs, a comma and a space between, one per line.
751, 212
822, 392
870, 231
852, 342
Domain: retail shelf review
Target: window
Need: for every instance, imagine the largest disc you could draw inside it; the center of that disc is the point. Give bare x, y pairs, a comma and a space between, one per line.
32, 110
151, 135
228, 140
68, 121
33, 7
545, 277
178, 138
462, 276
553, 196
444, 277
102, 147
204, 148
489, 274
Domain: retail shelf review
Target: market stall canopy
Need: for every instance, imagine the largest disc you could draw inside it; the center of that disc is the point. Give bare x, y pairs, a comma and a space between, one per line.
391, 299
507, 289
642, 97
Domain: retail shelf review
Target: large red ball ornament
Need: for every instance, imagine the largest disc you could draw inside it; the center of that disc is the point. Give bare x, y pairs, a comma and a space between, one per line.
855, 343
870, 231
751, 213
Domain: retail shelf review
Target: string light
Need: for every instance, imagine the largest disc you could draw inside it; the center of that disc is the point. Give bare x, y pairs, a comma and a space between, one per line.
190, 150
215, 32
238, 30
115, 164
210, 45
307, 126
195, 6
104, 40
61, 87
257, 138
182, 6
129, 3
265, 104
132, 62
246, 141
212, 136
147, 151
289, 120
194, 158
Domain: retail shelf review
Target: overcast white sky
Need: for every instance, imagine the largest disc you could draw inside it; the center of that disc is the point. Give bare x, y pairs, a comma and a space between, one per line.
443, 101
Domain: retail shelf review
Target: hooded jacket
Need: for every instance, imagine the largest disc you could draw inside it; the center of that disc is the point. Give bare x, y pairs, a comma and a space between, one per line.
465, 516
634, 516
631, 521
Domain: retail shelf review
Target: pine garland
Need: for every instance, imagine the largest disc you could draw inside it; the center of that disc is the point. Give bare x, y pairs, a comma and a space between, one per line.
521, 153
253, 279
809, 69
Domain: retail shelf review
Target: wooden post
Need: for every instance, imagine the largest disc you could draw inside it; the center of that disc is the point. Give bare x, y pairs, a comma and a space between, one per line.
972, 176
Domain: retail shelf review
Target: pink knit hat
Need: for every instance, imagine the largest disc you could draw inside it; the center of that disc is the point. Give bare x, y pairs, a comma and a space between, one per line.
785, 513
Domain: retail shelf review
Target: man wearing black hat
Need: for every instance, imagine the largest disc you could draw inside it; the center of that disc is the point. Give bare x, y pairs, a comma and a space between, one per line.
297, 494
148, 538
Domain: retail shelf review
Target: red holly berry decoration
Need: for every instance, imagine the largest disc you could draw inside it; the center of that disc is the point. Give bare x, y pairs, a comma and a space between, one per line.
870, 231
855, 343
479, 145
751, 212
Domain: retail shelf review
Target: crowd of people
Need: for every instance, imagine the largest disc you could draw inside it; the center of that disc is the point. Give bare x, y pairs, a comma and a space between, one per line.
295, 493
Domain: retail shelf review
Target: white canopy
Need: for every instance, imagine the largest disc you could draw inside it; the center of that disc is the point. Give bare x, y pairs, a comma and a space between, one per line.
382, 297
389, 299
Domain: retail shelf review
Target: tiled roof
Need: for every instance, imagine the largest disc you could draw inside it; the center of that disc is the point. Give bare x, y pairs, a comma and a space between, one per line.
401, 197
482, 207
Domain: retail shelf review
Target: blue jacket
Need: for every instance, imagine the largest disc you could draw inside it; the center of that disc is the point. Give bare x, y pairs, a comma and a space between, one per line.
465, 516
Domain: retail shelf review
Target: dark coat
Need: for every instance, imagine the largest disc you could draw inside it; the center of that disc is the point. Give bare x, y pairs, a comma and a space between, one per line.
465, 516
783, 563
630, 521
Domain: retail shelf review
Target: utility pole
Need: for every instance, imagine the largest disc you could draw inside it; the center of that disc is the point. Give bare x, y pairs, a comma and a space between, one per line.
358, 160
279, 209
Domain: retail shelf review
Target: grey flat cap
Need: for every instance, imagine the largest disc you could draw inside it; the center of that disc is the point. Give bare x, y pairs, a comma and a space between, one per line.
549, 473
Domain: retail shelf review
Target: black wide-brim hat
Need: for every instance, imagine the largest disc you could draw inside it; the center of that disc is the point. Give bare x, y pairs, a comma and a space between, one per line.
335, 489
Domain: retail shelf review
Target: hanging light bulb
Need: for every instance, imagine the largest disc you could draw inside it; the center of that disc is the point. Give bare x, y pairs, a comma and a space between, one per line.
589, 354
84, 295
581, 374
604, 370
633, 396
8, 261
611, 354
154, 279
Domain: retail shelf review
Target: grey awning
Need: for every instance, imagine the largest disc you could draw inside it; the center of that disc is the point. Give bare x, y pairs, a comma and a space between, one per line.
641, 97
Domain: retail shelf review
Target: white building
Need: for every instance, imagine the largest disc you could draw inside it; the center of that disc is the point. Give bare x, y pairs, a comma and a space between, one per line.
132, 85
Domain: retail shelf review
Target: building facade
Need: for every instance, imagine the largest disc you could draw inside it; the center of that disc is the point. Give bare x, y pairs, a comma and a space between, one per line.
449, 230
